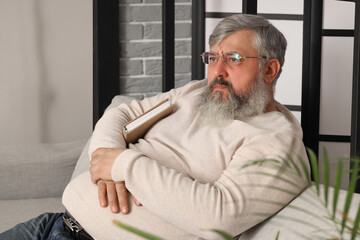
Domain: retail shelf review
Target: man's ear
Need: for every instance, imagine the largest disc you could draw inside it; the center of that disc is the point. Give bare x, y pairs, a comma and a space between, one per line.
271, 70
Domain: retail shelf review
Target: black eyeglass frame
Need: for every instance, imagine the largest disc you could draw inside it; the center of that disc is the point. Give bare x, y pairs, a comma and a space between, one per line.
206, 54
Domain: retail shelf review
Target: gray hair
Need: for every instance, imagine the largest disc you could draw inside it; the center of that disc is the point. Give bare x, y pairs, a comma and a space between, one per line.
268, 40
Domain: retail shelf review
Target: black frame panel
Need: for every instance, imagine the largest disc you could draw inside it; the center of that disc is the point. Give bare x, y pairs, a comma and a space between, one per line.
197, 39
106, 51
355, 107
249, 6
311, 73
168, 45
355, 115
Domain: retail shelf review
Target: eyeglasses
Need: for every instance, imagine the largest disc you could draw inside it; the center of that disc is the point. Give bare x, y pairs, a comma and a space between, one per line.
232, 59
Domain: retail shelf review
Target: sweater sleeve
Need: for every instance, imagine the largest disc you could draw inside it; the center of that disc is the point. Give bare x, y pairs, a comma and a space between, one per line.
238, 200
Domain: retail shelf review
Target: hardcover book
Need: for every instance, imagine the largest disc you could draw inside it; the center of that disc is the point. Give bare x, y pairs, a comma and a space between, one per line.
137, 127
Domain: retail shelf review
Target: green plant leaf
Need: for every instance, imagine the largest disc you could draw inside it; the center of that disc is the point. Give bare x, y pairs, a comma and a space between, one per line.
305, 169
137, 231
294, 165
261, 162
338, 175
225, 235
295, 208
290, 182
277, 235
352, 185
319, 193
315, 170
354, 231
280, 189
325, 165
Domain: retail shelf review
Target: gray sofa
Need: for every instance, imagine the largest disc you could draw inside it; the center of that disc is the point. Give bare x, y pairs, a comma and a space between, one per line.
33, 177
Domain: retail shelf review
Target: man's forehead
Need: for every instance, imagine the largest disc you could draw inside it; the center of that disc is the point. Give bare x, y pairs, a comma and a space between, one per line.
241, 42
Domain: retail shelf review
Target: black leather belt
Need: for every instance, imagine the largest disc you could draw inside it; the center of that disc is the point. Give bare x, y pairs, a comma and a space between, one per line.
74, 228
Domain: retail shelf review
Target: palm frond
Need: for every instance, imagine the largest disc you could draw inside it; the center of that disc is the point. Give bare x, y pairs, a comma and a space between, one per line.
223, 234
288, 181
351, 190
326, 173
262, 162
338, 175
295, 208
137, 231
280, 189
314, 168
354, 231
305, 169
277, 235
336, 222
294, 165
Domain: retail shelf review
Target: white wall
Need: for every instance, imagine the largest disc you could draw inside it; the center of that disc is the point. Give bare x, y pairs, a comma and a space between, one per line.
45, 70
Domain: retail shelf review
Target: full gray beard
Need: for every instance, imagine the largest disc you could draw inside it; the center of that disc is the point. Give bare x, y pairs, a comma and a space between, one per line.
216, 112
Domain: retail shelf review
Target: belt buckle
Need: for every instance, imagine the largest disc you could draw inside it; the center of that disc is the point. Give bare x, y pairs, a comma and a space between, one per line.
72, 225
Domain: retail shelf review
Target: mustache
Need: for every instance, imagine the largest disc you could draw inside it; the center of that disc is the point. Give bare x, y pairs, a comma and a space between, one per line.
220, 81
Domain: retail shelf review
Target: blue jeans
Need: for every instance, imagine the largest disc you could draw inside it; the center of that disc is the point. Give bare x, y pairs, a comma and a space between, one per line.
47, 226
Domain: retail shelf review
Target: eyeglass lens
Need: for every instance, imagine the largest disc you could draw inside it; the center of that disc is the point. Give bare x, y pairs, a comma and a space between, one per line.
230, 58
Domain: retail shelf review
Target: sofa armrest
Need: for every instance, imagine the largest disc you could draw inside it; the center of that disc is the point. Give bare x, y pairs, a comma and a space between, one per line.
83, 163
37, 170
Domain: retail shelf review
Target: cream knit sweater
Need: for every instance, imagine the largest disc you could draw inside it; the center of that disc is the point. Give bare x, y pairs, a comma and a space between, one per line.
191, 178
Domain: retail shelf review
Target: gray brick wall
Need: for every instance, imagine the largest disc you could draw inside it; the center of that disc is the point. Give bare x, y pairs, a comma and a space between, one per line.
141, 46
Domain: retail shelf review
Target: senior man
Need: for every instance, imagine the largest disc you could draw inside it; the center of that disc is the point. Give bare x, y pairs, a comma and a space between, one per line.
188, 170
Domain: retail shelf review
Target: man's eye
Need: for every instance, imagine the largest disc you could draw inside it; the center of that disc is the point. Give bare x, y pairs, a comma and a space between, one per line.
212, 59
233, 59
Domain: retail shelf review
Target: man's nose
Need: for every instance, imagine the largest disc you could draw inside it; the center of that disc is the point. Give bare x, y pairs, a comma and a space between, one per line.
220, 68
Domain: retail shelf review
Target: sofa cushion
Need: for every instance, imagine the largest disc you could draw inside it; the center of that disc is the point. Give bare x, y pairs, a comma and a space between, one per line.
120, 99
18, 211
37, 170
304, 218
83, 163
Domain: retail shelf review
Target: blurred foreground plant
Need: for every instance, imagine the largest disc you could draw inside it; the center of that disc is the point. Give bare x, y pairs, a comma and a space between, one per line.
336, 223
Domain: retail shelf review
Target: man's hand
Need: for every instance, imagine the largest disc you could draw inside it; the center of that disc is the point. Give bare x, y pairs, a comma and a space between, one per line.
110, 193
116, 195
101, 163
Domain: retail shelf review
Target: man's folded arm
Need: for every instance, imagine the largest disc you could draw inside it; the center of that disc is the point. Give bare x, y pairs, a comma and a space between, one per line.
108, 134
230, 204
